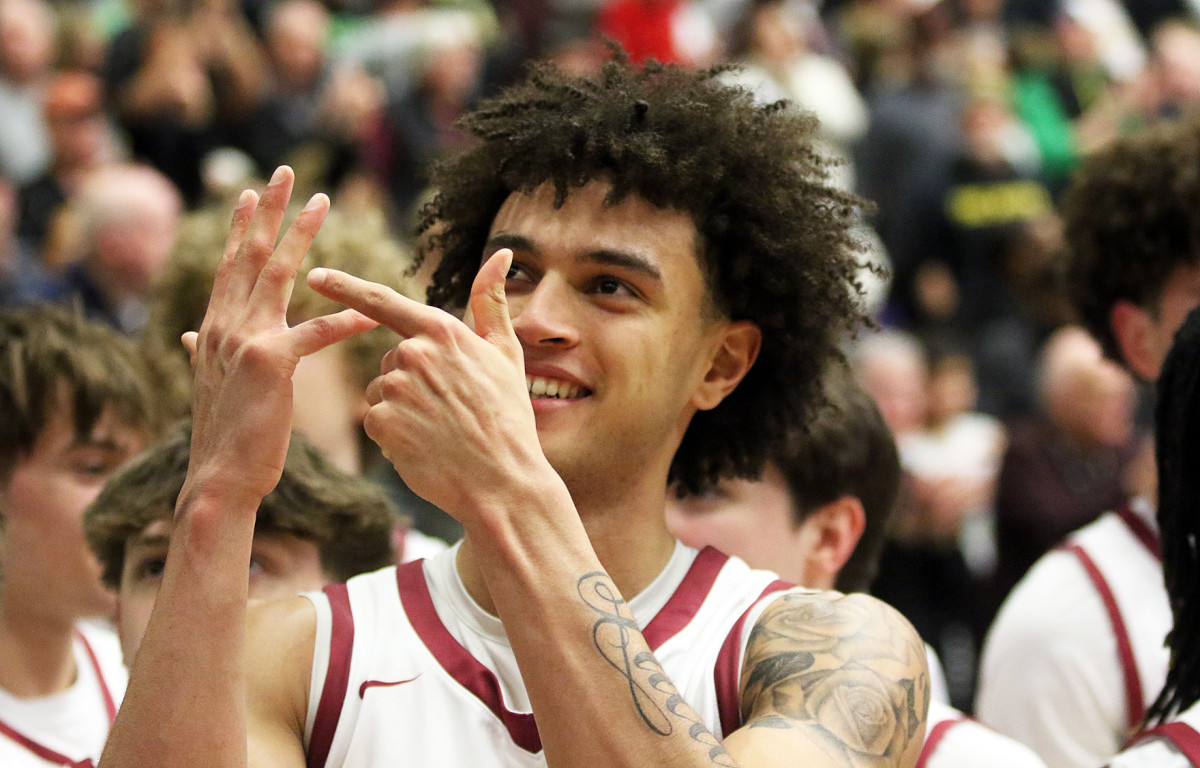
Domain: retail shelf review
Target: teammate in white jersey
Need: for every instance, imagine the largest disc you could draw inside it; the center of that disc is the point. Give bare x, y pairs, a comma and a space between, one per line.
318, 526
76, 400
818, 516
655, 273
1173, 739
1076, 651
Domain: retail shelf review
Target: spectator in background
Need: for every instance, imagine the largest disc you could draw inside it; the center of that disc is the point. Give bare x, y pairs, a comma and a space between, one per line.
76, 401
418, 126
319, 526
179, 79
667, 31
123, 224
1066, 466
27, 48
81, 142
771, 42
21, 272
924, 570
308, 114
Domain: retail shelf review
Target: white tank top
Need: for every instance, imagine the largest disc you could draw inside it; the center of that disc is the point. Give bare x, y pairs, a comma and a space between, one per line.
1120, 554
408, 670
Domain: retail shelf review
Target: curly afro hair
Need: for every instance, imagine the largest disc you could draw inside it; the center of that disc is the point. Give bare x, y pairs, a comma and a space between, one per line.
777, 241
1132, 217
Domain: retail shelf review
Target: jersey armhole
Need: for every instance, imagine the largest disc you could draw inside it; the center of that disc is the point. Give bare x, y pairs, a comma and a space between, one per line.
727, 672
332, 648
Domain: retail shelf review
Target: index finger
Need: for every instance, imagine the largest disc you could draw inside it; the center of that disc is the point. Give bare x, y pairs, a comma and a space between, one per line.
380, 303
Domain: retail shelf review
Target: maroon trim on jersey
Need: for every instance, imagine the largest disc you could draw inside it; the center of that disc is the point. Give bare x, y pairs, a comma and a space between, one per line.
50, 755
1134, 704
936, 734
687, 599
337, 676
110, 706
728, 670
1181, 735
456, 660
1142, 531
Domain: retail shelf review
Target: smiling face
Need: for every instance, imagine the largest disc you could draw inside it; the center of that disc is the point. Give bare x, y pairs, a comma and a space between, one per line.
621, 349
281, 565
48, 569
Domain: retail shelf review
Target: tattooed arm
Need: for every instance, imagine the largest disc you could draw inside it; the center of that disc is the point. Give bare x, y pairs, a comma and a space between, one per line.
840, 674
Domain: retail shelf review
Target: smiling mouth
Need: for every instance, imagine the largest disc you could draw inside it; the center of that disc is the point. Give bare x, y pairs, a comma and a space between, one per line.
542, 388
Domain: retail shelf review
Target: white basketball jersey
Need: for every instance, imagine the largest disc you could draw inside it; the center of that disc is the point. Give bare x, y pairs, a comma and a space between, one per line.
1120, 553
67, 728
393, 684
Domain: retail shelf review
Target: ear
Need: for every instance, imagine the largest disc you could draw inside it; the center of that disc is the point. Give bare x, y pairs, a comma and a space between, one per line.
736, 350
1133, 328
833, 531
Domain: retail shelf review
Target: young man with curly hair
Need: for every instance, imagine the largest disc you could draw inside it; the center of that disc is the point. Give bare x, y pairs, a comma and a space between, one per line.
1076, 653
643, 260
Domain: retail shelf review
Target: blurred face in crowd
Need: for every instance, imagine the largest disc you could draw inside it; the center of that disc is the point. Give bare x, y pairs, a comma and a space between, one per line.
48, 568
26, 40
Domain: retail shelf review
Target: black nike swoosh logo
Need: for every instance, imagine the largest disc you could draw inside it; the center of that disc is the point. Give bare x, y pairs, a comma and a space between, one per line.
381, 684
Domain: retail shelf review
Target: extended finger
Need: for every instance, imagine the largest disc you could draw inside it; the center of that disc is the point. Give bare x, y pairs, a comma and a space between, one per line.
400, 313
242, 213
259, 241
489, 304
273, 290
316, 334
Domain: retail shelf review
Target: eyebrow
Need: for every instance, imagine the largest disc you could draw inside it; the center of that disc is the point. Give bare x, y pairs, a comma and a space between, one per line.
606, 256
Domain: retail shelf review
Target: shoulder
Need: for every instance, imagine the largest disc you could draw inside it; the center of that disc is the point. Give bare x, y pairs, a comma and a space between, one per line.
1053, 598
847, 666
1154, 753
280, 639
955, 740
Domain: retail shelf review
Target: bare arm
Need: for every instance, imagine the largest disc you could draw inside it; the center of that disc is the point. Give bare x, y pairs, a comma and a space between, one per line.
187, 699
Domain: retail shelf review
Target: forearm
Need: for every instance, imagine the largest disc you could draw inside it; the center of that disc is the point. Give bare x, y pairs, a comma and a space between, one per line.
185, 705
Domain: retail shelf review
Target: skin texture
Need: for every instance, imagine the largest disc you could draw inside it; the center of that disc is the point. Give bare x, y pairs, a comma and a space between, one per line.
555, 536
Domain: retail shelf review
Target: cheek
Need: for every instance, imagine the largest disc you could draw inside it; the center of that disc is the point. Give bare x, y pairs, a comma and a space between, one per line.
133, 617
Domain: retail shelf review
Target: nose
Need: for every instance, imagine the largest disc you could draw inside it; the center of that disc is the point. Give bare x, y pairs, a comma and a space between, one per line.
545, 316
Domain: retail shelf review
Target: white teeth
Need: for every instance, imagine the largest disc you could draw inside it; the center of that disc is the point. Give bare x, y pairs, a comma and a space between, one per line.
539, 387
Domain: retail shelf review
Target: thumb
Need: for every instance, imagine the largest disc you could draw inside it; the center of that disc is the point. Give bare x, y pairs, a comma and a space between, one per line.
489, 305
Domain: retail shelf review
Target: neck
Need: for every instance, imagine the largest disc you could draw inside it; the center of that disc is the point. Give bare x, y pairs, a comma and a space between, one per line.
36, 656
627, 532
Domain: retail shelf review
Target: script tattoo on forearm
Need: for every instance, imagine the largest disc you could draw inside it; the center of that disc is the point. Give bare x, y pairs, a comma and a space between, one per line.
833, 667
619, 641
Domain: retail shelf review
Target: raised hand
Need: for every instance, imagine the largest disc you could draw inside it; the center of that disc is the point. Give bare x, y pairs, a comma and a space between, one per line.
245, 353
451, 408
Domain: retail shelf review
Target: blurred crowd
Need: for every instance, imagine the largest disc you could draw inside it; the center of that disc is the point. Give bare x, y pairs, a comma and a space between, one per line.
128, 126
